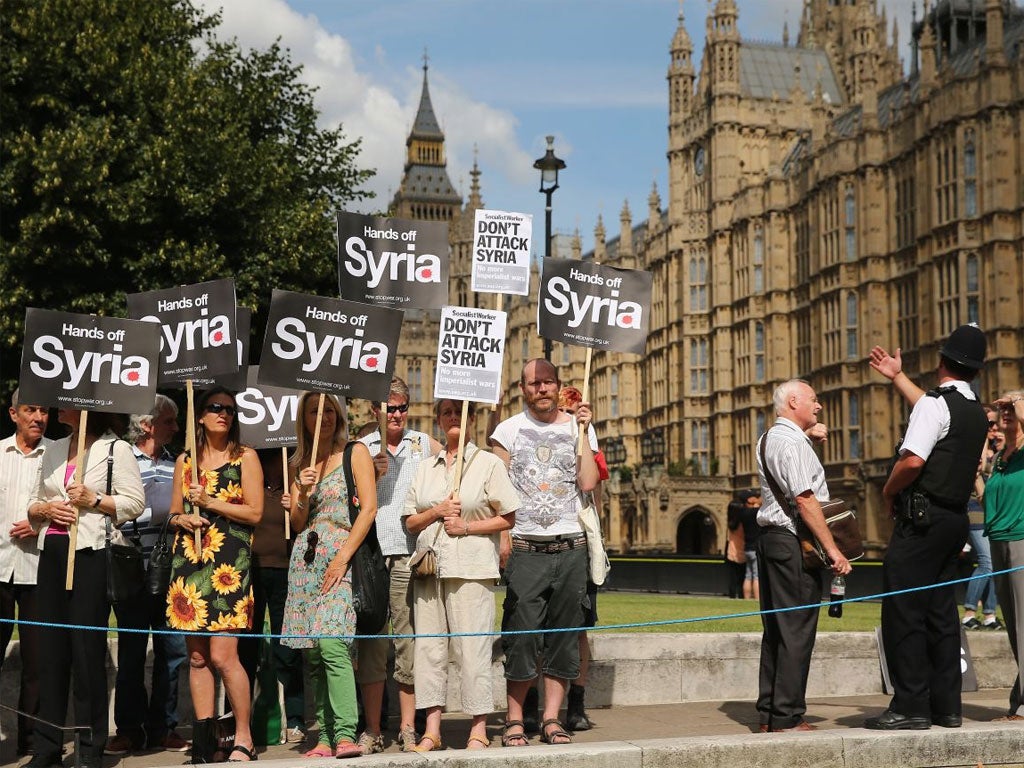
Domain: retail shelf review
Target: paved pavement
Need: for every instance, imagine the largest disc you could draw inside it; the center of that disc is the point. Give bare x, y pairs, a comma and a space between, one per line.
711, 733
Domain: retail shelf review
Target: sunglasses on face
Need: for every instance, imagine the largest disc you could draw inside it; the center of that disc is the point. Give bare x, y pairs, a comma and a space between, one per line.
398, 408
230, 410
992, 424
311, 541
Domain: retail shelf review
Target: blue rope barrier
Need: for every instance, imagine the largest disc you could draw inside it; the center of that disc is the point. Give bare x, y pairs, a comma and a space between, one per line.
499, 633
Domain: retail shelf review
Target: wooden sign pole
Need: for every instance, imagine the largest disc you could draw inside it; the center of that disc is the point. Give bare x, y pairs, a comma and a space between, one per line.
286, 487
69, 578
586, 398
462, 445
190, 443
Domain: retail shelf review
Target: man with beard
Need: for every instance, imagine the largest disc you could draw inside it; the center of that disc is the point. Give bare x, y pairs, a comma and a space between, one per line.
546, 570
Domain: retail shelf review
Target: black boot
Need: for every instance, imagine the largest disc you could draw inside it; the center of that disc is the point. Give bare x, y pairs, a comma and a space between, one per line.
531, 716
575, 718
204, 741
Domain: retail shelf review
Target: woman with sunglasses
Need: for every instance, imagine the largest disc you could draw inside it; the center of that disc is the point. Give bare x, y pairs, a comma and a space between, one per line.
210, 589
319, 616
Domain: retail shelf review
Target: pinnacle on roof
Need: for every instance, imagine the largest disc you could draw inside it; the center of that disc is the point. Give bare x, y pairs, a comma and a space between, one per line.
426, 125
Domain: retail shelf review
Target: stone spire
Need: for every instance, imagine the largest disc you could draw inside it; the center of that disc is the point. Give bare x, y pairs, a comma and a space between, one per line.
625, 232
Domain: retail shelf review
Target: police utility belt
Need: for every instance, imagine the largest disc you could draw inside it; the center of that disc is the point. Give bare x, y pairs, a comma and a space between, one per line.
913, 507
549, 544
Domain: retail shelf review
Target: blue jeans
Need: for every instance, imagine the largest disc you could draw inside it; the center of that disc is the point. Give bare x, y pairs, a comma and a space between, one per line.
981, 586
146, 719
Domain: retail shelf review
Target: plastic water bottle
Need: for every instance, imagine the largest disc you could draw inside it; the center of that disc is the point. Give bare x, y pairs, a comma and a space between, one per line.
837, 593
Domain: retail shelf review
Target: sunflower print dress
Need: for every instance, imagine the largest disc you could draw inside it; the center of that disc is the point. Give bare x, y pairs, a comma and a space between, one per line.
307, 613
210, 590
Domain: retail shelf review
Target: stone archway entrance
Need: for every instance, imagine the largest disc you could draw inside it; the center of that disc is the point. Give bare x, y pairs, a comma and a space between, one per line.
696, 533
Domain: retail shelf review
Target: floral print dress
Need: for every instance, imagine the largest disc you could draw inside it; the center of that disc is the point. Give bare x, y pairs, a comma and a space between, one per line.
308, 614
210, 590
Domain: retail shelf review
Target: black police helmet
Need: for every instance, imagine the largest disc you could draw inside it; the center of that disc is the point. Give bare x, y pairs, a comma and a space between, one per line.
966, 346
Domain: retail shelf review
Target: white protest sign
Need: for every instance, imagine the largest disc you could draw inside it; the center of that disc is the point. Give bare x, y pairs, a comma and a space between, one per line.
501, 252
470, 350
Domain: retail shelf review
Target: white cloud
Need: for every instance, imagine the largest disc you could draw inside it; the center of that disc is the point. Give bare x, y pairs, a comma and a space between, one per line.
368, 107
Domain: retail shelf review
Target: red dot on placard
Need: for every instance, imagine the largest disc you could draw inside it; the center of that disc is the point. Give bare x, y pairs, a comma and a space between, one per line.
627, 319
426, 274
218, 336
133, 376
371, 362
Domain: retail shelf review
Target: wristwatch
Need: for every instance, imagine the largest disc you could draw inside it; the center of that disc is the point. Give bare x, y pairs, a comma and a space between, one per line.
99, 498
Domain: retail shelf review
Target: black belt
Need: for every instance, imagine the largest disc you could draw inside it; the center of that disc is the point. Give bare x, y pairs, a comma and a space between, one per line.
551, 545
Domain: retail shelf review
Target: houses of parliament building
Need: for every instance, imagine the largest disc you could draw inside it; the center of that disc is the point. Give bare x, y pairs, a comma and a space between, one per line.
821, 200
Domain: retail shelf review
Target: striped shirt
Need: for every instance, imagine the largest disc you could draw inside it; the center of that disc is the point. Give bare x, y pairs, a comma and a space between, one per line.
393, 488
796, 469
157, 481
19, 476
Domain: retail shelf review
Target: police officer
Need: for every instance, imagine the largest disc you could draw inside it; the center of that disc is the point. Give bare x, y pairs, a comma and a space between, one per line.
927, 494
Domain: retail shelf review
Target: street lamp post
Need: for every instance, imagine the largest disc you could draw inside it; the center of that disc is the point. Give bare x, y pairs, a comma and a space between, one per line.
549, 166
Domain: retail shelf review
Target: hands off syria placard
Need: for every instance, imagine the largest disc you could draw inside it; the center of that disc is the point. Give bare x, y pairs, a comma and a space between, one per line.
89, 362
330, 345
501, 252
401, 263
591, 305
197, 327
266, 414
470, 350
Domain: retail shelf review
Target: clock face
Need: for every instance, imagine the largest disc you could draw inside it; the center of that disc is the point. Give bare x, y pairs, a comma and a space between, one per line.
698, 161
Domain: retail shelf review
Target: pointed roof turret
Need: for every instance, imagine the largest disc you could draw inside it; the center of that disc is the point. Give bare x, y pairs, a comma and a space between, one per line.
426, 126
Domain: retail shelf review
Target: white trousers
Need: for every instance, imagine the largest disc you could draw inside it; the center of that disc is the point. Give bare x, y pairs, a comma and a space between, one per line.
454, 605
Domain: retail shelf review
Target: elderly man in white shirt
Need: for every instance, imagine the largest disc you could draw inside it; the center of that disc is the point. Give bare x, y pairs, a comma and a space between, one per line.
789, 467
19, 557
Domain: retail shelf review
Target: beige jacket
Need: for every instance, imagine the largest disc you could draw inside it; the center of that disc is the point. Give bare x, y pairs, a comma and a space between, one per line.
125, 487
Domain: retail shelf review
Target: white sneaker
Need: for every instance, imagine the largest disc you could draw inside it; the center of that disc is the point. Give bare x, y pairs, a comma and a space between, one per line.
294, 735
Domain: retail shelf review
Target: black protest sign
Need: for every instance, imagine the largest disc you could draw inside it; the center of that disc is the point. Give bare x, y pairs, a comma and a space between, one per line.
237, 379
590, 305
401, 263
88, 362
197, 325
470, 352
501, 252
330, 345
266, 414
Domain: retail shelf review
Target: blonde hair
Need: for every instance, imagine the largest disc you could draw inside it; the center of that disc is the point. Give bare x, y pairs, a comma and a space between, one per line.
304, 450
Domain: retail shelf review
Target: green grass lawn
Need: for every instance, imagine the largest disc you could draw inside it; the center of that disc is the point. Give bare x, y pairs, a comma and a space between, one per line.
687, 613
731, 615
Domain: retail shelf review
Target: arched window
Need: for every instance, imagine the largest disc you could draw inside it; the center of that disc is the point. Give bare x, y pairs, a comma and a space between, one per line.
758, 260
970, 175
850, 206
759, 351
972, 288
851, 324
853, 425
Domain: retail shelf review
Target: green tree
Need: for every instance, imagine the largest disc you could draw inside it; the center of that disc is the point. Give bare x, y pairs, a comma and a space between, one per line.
138, 151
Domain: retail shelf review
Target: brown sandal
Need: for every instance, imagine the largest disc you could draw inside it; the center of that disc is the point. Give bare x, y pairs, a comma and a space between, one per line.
484, 743
435, 743
558, 732
514, 739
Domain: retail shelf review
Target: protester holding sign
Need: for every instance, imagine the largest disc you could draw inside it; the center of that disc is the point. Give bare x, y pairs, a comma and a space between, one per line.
462, 528
68, 655
547, 569
319, 603
210, 589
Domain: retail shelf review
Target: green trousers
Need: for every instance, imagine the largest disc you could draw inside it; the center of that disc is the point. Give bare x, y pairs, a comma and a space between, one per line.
335, 691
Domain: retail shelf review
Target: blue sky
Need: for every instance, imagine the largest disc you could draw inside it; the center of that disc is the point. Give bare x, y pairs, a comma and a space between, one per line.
503, 74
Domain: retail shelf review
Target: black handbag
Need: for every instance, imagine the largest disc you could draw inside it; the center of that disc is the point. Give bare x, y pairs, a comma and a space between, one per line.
371, 581
158, 575
125, 572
